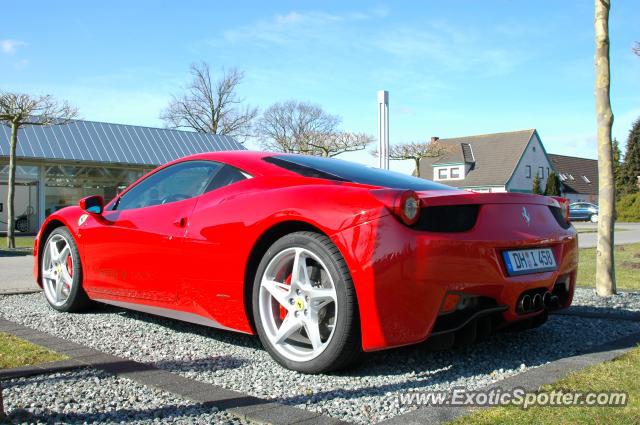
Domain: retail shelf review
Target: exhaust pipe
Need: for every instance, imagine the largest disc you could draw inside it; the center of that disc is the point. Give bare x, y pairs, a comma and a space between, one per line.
525, 303
537, 302
554, 302
546, 299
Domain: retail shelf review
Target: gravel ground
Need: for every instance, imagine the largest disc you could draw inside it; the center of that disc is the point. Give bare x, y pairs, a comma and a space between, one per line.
365, 394
93, 396
585, 299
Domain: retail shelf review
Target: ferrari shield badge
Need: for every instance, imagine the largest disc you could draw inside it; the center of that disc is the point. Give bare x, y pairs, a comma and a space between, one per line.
82, 219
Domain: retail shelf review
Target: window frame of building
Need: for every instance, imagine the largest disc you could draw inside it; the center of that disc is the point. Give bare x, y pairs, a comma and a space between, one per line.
443, 173
541, 172
455, 170
527, 171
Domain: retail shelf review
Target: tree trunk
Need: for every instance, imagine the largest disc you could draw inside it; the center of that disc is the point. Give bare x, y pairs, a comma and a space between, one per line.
417, 160
11, 192
605, 271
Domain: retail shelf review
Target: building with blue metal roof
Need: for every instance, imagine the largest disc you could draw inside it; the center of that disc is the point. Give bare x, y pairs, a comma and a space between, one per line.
58, 165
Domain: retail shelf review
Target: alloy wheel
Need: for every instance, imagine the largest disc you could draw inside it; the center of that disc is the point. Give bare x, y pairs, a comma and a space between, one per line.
298, 304
57, 270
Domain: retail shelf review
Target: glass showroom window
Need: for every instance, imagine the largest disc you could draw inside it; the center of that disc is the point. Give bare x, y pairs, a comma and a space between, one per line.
455, 173
65, 185
25, 198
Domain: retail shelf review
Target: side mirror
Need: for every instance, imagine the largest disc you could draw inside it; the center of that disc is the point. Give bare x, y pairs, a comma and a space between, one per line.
92, 204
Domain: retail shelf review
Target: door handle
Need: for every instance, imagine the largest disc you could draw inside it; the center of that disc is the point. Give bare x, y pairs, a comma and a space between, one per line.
181, 222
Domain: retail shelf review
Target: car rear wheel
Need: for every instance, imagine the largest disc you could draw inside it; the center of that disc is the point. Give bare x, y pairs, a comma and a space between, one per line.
594, 218
304, 305
61, 272
22, 225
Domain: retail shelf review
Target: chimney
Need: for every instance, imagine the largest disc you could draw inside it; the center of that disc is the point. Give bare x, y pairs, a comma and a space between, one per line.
434, 139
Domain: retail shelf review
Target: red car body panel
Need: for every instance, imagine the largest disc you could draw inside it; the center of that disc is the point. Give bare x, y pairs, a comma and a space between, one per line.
191, 257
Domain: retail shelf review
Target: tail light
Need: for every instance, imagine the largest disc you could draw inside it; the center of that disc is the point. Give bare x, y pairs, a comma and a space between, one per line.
405, 205
561, 212
564, 207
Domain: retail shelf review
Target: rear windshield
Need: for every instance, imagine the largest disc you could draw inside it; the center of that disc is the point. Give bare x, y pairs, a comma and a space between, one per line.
336, 169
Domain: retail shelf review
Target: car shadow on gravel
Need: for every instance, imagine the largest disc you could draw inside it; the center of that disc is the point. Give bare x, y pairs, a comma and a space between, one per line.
222, 335
612, 312
501, 355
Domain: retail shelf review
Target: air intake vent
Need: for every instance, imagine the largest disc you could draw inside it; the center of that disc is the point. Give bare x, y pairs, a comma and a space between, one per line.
557, 214
448, 218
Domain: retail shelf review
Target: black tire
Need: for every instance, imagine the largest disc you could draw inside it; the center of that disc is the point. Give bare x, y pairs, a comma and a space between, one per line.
78, 299
345, 346
22, 225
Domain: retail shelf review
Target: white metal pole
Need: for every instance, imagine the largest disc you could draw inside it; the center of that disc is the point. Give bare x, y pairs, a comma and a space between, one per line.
41, 194
383, 129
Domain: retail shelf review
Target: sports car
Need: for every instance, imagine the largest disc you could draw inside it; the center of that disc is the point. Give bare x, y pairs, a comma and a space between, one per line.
323, 259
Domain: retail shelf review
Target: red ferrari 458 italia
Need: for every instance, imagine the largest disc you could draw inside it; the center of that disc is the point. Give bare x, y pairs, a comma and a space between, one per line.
321, 258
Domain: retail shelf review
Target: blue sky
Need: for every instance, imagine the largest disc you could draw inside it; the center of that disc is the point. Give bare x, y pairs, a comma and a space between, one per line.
452, 68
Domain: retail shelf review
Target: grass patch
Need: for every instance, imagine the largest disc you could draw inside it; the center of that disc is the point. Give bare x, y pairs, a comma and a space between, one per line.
619, 375
24, 246
15, 352
627, 258
23, 241
595, 230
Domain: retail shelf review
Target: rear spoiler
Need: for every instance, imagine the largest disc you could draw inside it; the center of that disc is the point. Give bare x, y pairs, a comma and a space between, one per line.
462, 197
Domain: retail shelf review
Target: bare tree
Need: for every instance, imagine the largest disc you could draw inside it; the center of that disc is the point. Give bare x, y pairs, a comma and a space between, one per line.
605, 271
636, 49
301, 127
416, 151
333, 144
289, 126
16, 111
211, 106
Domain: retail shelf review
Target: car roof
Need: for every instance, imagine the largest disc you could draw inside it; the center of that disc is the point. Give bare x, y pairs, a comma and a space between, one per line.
249, 161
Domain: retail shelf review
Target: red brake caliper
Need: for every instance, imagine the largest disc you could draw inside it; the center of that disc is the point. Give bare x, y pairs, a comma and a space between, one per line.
283, 311
70, 266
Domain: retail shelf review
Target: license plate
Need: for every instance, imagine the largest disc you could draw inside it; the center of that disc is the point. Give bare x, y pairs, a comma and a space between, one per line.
525, 261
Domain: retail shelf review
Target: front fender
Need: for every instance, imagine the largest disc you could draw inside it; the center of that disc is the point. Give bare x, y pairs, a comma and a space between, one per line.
68, 217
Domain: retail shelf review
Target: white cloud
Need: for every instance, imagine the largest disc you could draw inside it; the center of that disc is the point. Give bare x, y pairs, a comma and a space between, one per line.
442, 45
296, 26
21, 64
581, 145
10, 46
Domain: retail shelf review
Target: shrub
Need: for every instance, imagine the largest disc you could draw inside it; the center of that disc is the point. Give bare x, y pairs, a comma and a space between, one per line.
628, 207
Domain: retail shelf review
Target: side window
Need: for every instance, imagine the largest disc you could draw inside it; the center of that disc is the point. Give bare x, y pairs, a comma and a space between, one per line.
175, 183
225, 176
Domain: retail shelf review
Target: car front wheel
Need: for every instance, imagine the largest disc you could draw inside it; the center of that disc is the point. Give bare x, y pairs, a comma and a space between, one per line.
304, 305
61, 272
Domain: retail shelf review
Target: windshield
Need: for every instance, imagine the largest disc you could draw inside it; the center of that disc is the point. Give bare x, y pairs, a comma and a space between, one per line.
336, 169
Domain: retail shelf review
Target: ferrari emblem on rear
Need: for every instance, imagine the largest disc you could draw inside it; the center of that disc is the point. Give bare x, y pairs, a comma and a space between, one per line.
525, 216
82, 219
